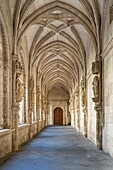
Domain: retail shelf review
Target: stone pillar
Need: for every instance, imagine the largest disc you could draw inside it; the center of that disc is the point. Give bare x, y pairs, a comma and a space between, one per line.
98, 126
97, 99
17, 98
15, 126
31, 105
45, 111
85, 122
37, 108
77, 112
5, 95
71, 111
30, 123
84, 103
42, 112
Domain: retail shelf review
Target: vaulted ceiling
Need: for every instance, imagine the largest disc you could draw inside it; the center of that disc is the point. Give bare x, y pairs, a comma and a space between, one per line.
56, 32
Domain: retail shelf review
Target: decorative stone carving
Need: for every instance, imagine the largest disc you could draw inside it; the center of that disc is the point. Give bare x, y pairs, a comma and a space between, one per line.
45, 105
95, 67
76, 102
111, 13
83, 91
70, 105
95, 89
83, 97
17, 66
5, 95
19, 88
32, 91
39, 97
95, 86
83, 82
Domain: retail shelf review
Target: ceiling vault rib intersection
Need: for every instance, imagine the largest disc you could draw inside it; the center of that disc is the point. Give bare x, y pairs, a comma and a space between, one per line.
56, 33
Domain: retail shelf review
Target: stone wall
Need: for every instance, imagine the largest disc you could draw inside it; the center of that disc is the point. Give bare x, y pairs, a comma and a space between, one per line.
5, 142
40, 127
23, 133
91, 112
108, 93
107, 60
91, 116
34, 128
81, 117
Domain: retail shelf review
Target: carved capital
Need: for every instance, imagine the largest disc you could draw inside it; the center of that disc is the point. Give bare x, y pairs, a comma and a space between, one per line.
95, 99
96, 67
17, 66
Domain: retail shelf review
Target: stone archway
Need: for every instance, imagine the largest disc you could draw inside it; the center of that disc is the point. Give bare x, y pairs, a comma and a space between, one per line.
58, 116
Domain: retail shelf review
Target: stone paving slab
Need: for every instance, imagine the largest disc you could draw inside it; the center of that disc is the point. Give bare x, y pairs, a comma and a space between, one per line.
59, 148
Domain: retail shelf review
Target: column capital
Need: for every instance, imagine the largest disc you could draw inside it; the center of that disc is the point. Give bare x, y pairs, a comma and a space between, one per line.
96, 67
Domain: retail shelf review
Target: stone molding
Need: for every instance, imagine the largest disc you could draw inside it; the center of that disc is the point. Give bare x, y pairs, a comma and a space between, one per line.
5, 132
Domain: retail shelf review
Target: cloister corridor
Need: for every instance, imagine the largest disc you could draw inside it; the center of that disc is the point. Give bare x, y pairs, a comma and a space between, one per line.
59, 148
56, 84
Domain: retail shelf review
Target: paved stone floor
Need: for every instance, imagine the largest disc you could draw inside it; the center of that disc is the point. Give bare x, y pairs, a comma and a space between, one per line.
59, 148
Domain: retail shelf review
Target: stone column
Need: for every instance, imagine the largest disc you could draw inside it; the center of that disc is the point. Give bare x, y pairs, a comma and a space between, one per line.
84, 103
31, 105
77, 108
71, 111
97, 99
37, 108
42, 114
5, 95
85, 122
98, 109
17, 97
15, 126
45, 111
30, 123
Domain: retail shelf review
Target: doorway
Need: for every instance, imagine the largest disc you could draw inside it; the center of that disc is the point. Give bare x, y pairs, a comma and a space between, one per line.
58, 116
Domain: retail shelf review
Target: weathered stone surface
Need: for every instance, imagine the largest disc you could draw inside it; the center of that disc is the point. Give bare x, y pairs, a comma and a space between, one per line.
5, 142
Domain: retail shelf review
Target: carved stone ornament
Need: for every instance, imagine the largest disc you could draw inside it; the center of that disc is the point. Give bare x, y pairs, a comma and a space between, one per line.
76, 98
76, 102
95, 67
83, 82
32, 91
95, 89
18, 66
111, 14
19, 88
83, 97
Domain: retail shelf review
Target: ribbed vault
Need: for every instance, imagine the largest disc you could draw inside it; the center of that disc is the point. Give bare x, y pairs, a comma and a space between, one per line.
56, 32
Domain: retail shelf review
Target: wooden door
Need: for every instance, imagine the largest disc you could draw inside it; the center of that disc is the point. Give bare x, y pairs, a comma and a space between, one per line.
58, 116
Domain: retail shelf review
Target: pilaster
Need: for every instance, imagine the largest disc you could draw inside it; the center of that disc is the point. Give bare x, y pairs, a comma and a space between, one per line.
97, 99
84, 103
15, 126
